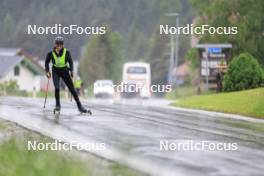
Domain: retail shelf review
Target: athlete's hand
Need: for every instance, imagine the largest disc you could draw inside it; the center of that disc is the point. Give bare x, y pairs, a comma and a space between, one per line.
48, 75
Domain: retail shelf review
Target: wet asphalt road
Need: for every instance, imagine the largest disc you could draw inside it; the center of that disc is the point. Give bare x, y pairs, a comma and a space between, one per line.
136, 130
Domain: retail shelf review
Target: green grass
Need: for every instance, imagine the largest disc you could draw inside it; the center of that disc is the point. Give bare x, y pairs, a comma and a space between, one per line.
181, 92
117, 169
18, 93
42, 94
17, 160
184, 92
248, 102
2, 126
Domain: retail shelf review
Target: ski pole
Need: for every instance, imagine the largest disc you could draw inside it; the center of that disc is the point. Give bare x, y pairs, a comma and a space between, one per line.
46, 93
73, 86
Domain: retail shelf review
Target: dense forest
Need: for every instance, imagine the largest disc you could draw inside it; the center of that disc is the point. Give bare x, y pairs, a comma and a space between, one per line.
135, 24
132, 30
135, 20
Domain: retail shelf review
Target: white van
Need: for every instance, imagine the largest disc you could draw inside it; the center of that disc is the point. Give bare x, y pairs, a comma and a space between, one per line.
137, 74
103, 89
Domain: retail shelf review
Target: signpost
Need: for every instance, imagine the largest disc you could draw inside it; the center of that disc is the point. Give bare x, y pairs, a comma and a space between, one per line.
173, 63
211, 57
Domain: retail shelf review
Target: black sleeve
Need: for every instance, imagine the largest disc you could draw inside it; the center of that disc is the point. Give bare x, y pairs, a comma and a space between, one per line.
47, 61
69, 59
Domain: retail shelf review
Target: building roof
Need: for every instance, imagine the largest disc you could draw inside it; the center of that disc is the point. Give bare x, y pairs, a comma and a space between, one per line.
9, 51
33, 66
7, 63
9, 57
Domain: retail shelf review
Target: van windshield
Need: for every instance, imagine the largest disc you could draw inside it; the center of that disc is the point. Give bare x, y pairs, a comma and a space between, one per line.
137, 70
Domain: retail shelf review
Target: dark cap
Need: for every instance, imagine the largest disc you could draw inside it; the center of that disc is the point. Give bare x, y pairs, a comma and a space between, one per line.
59, 40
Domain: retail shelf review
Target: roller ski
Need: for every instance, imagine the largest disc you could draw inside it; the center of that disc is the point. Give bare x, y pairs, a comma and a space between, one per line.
56, 111
82, 110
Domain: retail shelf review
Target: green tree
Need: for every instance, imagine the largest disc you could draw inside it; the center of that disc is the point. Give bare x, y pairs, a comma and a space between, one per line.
8, 28
102, 58
158, 51
193, 56
246, 15
158, 57
244, 72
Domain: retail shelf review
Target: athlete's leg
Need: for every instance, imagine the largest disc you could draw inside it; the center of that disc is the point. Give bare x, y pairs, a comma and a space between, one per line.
68, 81
56, 82
78, 91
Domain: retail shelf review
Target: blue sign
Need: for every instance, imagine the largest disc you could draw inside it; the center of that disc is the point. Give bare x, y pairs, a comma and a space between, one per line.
215, 50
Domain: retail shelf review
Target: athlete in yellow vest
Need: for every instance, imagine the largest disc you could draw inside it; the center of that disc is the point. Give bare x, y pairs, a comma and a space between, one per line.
78, 85
62, 67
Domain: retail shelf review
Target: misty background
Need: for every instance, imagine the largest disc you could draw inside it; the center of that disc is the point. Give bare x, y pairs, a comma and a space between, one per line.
132, 31
135, 23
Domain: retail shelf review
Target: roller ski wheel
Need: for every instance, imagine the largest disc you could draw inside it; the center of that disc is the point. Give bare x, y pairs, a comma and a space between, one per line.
56, 111
89, 112
82, 110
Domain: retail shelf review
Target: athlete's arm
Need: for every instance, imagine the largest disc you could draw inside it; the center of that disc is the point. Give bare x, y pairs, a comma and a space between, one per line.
47, 61
69, 59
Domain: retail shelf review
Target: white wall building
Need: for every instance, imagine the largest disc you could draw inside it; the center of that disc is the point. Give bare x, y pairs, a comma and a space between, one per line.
24, 70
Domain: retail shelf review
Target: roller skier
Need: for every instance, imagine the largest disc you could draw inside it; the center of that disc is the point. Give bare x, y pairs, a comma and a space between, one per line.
62, 68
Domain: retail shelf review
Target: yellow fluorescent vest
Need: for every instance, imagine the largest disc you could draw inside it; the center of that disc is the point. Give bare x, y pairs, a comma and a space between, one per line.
59, 61
78, 84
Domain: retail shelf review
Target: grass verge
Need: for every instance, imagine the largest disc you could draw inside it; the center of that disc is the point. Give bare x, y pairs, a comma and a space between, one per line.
181, 92
15, 159
248, 102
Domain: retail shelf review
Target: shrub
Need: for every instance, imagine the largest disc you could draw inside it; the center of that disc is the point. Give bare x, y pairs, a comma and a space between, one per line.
11, 86
244, 72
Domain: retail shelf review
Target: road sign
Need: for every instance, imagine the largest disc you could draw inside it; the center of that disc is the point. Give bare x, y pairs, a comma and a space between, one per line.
214, 50
212, 56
